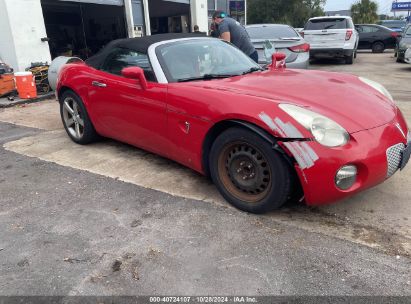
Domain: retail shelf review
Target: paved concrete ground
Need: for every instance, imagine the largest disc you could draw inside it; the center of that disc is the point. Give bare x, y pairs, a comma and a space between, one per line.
63, 228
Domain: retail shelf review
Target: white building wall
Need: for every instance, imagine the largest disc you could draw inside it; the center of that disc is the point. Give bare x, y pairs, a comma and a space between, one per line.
7, 49
199, 15
21, 29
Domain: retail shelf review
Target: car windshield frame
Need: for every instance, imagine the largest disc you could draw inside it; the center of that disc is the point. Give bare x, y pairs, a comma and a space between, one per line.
165, 63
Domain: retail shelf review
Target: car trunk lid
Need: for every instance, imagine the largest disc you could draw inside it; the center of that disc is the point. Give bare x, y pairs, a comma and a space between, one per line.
281, 45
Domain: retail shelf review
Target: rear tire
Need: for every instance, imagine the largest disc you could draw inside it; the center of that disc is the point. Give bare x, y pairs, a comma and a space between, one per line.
378, 47
350, 59
76, 120
249, 174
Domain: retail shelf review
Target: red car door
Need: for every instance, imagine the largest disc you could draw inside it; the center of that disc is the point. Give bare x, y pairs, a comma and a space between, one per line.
122, 109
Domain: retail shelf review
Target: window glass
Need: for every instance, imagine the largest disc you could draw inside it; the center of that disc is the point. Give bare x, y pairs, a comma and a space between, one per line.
271, 32
326, 24
196, 58
121, 58
369, 29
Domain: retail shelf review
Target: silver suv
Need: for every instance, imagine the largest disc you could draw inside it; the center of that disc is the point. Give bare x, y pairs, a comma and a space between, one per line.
333, 36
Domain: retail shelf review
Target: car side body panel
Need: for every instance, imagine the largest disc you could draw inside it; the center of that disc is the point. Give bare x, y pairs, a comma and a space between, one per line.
201, 108
122, 110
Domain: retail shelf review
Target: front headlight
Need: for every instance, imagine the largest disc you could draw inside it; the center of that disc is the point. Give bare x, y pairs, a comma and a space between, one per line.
377, 86
325, 131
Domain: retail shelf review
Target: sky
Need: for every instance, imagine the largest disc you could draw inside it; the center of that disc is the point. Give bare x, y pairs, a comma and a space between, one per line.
334, 5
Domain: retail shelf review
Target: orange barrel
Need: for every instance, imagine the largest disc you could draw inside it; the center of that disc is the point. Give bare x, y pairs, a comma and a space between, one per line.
25, 84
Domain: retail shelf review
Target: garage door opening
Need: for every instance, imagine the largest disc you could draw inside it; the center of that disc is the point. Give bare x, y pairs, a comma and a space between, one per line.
81, 29
169, 16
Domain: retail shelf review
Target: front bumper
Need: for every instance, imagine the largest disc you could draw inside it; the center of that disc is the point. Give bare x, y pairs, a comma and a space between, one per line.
376, 153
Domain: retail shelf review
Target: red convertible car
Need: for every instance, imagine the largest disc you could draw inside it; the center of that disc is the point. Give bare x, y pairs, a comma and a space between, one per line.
262, 135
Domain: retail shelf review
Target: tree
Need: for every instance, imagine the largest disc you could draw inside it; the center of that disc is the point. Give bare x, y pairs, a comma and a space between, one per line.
364, 11
292, 12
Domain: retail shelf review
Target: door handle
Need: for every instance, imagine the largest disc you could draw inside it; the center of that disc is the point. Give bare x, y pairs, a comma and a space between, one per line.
99, 84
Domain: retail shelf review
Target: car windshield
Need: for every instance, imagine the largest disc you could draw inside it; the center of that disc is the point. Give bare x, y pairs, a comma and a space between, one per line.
326, 24
408, 32
271, 32
193, 59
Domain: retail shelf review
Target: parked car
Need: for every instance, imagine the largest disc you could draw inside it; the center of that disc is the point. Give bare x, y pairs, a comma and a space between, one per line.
395, 25
376, 37
285, 39
404, 44
407, 57
332, 37
259, 134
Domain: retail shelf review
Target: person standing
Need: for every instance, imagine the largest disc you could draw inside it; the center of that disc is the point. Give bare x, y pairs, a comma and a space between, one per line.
232, 31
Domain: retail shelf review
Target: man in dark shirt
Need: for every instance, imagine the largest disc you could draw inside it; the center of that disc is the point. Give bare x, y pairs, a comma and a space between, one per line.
232, 31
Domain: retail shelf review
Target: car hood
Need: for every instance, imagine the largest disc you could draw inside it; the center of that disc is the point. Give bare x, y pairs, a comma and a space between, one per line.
341, 97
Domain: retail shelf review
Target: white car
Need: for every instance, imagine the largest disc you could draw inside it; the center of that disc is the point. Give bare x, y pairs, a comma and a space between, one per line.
407, 57
333, 36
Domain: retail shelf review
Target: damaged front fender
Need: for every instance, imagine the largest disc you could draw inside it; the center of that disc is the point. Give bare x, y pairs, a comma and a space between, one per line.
293, 140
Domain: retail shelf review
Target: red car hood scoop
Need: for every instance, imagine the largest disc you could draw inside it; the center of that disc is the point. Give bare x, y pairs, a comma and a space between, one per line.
341, 97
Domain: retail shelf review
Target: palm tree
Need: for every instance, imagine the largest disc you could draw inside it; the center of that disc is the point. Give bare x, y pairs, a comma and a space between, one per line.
365, 11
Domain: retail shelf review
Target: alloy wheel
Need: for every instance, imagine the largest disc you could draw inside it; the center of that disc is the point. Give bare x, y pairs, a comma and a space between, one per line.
73, 118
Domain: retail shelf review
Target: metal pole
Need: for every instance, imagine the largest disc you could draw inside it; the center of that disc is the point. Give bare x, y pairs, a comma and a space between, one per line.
395, 11
146, 17
129, 18
245, 12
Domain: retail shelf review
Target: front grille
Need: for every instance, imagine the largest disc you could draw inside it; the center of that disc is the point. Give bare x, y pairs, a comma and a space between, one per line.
394, 155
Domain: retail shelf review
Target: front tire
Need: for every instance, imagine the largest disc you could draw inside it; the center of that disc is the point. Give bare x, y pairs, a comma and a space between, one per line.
249, 174
76, 120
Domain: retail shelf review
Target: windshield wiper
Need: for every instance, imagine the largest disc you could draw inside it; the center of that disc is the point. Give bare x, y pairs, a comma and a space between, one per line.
252, 70
207, 77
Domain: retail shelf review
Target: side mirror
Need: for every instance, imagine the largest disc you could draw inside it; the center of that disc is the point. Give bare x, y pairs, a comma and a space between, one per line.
135, 73
278, 61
